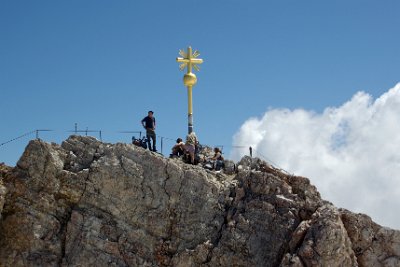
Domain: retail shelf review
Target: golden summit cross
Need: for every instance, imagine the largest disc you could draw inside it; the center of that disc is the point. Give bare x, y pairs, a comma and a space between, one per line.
189, 60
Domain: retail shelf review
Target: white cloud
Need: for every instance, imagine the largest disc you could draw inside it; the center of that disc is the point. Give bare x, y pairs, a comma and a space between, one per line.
351, 153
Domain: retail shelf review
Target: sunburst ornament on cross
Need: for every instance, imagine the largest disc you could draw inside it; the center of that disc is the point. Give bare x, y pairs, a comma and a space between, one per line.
189, 61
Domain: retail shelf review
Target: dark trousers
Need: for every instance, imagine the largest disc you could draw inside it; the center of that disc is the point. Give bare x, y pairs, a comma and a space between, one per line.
151, 134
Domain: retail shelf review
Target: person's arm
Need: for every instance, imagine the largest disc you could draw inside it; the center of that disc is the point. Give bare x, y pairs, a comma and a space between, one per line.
144, 126
216, 156
154, 124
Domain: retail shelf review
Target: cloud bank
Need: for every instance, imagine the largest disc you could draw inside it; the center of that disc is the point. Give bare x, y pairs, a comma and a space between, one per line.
351, 153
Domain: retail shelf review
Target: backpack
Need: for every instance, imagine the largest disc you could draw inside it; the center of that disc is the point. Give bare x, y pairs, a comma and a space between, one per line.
140, 142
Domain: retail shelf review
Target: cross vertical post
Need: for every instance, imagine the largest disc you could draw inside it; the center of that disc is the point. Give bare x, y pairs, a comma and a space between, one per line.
189, 61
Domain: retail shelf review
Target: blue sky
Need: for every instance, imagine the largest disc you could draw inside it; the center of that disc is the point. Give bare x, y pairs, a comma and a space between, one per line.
104, 64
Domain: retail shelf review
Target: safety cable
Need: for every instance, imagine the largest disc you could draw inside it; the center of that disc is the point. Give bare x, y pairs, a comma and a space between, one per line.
19, 137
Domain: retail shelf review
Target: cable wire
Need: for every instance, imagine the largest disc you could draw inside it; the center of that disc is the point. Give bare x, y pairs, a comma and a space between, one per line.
270, 161
19, 137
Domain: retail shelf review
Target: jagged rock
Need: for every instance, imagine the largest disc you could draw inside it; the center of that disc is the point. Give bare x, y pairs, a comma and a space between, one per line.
326, 242
205, 152
249, 163
263, 215
4, 170
88, 203
229, 167
3, 192
373, 245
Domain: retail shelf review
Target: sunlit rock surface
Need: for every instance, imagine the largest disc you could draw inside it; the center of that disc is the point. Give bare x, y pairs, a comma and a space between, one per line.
88, 203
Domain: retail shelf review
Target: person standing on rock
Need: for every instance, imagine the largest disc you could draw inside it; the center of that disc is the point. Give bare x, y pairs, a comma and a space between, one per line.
149, 123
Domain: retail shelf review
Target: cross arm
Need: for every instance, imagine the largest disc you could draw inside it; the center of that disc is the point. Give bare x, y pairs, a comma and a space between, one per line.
192, 60
183, 60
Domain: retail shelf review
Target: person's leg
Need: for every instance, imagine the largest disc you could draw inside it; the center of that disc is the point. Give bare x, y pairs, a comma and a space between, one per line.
217, 165
192, 157
154, 141
148, 135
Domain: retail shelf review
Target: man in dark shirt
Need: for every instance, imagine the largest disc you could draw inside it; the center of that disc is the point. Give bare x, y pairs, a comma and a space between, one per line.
149, 123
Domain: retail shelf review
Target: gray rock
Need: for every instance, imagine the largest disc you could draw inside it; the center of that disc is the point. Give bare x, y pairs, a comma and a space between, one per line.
4, 170
229, 167
373, 245
88, 203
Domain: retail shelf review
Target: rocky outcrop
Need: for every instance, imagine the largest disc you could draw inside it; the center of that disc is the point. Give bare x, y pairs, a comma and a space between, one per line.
372, 244
88, 203
3, 190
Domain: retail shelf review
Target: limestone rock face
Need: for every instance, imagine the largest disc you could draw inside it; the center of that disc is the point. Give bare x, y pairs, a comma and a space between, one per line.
88, 203
3, 190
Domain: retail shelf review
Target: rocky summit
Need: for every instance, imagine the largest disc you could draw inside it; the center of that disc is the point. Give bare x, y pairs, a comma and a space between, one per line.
88, 203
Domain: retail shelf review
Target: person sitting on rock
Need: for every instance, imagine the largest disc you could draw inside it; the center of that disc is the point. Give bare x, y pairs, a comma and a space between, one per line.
190, 146
178, 148
215, 162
